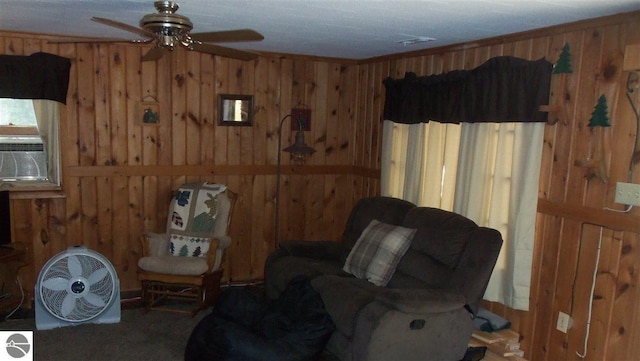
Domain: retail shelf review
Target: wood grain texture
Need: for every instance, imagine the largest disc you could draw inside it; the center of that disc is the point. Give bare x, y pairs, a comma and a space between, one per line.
118, 174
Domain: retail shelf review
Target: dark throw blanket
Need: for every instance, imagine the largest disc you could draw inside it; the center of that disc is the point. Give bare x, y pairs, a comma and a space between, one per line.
245, 326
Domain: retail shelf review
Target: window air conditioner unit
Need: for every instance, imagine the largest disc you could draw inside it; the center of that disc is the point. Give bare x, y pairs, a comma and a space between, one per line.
22, 158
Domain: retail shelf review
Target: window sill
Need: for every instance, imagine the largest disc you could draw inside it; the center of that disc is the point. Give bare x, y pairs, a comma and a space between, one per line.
32, 191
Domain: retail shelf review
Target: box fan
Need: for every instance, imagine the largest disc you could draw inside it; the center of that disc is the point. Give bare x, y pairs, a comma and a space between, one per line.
77, 286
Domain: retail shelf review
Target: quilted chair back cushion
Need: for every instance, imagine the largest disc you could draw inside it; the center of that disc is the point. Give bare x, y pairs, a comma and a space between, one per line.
222, 220
217, 202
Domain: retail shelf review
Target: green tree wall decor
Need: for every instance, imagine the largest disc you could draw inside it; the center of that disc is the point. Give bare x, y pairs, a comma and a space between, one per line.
564, 61
599, 116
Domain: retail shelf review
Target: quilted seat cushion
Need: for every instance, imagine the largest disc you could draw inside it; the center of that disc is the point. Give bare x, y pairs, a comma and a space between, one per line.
174, 265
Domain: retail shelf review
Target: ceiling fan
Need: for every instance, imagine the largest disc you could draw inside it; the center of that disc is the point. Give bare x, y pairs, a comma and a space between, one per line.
168, 30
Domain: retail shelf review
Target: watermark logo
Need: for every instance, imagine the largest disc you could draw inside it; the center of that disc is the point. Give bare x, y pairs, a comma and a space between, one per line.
17, 346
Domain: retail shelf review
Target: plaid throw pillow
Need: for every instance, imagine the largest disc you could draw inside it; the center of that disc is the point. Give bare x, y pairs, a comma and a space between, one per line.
378, 251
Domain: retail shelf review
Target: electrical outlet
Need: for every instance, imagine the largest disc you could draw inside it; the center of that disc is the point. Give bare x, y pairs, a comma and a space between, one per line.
564, 322
628, 193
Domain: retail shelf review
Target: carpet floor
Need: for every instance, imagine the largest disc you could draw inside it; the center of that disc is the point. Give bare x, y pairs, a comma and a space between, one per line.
138, 336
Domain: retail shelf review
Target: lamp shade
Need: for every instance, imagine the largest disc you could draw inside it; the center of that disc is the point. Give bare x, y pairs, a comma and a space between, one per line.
299, 150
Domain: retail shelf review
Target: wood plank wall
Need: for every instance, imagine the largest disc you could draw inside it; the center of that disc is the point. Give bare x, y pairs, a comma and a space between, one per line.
574, 200
118, 174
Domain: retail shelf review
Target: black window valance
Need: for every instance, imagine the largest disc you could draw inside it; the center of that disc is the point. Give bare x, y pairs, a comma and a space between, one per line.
37, 76
503, 89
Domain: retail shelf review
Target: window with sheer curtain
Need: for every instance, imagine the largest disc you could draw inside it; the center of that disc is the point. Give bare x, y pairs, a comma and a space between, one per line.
470, 141
486, 171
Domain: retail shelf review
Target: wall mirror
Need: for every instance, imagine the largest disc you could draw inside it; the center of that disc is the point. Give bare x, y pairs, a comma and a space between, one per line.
235, 109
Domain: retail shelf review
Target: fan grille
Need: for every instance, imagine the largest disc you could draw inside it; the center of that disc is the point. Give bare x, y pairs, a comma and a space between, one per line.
79, 285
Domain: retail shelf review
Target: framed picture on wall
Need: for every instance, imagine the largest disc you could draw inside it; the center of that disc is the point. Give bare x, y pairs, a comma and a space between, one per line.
148, 113
235, 109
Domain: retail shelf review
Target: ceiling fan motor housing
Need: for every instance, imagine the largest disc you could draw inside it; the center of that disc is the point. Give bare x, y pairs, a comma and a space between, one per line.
166, 22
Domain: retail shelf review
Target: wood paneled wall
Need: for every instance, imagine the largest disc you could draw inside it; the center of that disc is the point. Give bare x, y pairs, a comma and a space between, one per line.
118, 174
576, 207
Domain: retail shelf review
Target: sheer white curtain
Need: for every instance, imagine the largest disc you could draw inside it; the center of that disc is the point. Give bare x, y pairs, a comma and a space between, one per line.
491, 169
47, 116
419, 162
497, 187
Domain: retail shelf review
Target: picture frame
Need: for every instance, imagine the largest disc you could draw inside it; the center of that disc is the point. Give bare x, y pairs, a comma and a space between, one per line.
148, 113
235, 110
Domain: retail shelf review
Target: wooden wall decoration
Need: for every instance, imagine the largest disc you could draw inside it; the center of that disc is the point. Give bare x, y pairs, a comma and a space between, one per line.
118, 176
563, 65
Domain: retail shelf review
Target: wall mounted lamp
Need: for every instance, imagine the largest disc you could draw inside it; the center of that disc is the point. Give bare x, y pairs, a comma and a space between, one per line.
299, 152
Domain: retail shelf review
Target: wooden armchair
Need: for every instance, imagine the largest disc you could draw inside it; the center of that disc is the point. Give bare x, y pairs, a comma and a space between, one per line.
185, 262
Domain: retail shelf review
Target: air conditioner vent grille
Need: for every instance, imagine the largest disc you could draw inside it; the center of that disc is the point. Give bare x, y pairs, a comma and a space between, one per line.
21, 147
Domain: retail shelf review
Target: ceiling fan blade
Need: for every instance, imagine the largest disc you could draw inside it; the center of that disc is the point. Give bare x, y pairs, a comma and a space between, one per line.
224, 51
154, 53
228, 36
87, 40
123, 26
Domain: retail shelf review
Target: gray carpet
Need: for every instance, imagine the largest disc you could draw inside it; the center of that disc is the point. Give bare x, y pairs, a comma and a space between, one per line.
152, 336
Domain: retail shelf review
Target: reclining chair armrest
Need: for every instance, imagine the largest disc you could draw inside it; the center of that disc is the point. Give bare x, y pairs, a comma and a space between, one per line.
154, 244
421, 300
329, 250
433, 322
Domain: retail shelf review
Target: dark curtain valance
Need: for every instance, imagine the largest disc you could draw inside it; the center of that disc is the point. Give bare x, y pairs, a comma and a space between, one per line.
37, 76
503, 89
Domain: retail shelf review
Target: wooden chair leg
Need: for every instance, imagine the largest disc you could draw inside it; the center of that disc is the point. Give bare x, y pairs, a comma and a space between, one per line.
144, 297
211, 285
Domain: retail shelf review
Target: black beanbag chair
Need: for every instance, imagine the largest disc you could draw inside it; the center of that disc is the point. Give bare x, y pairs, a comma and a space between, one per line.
245, 326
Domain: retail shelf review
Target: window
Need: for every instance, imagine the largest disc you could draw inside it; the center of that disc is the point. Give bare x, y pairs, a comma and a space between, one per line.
486, 171
28, 143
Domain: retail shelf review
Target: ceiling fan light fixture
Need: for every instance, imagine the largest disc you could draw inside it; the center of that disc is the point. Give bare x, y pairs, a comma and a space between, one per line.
167, 41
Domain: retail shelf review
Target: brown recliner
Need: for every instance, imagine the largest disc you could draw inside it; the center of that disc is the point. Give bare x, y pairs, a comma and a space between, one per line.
424, 312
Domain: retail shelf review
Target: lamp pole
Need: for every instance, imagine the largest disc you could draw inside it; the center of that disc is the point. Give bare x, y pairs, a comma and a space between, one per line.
277, 221
299, 150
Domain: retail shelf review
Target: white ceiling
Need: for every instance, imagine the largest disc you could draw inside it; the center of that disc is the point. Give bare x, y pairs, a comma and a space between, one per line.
353, 29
